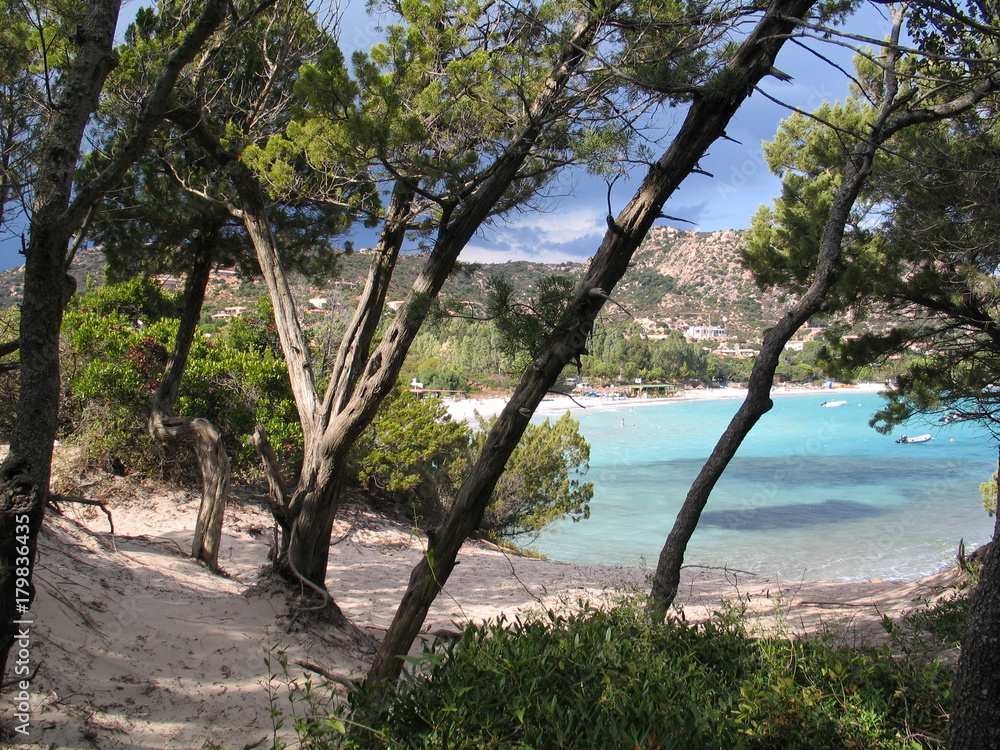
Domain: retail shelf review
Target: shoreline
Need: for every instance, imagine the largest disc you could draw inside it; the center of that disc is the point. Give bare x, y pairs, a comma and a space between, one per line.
556, 405
465, 410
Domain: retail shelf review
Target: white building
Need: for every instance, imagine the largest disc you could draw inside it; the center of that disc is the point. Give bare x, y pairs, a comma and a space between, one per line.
700, 333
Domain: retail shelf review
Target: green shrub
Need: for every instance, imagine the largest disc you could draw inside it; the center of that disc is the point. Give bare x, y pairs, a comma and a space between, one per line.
117, 341
613, 679
543, 479
406, 452
989, 493
415, 455
935, 625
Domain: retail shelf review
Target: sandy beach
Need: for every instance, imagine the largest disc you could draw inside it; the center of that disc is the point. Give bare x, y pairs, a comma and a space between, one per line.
138, 646
466, 409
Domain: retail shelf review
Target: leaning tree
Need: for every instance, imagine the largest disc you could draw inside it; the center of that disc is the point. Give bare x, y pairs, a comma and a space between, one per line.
715, 98
815, 239
885, 208
463, 114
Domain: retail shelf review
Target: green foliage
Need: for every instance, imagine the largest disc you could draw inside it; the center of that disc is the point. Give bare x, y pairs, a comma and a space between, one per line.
406, 450
118, 338
542, 481
153, 222
441, 380
626, 353
237, 388
525, 325
32, 44
782, 242
414, 455
920, 246
311, 709
989, 493
645, 288
936, 625
460, 349
614, 679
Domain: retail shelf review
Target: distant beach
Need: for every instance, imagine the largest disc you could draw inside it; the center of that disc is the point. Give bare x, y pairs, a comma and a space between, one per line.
465, 409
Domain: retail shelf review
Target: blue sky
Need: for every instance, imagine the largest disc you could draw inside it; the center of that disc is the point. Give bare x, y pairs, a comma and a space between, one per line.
570, 227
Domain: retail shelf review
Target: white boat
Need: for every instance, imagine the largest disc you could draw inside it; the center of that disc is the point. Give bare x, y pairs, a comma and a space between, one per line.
917, 439
833, 403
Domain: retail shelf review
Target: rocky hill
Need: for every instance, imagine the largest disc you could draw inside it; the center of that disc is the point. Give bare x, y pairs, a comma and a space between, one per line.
681, 278
678, 278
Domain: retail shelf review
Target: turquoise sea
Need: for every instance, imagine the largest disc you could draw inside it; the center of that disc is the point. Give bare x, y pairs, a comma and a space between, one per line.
813, 493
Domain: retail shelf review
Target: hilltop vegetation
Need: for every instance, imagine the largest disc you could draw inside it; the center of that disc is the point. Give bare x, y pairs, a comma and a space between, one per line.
677, 279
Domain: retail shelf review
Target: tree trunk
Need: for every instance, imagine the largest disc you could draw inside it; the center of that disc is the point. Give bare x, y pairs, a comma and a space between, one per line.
24, 476
59, 210
363, 379
975, 720
314, 505
357, 340
200, 435
705, 122
306, 517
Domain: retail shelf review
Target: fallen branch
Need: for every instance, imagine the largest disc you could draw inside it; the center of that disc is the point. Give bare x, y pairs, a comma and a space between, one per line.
29, 678
85, 501
323, 672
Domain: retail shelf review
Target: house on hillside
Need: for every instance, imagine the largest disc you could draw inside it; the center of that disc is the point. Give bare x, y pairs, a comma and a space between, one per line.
740, 352
703, 333
230, 312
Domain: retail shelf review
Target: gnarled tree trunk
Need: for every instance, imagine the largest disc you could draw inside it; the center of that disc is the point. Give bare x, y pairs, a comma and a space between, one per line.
198, 434
975, 720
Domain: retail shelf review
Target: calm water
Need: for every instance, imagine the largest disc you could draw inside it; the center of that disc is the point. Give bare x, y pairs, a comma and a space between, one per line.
813, 492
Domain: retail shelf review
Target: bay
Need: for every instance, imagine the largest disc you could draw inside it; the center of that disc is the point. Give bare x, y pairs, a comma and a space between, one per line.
813, 493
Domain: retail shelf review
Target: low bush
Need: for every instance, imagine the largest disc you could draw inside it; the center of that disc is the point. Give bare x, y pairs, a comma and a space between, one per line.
613, 679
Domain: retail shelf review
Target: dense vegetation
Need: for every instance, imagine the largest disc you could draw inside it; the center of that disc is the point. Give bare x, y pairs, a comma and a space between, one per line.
614, 679
410, 458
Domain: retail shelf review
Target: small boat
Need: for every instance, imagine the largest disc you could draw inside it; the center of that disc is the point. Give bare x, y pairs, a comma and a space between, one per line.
833, 403
917, 439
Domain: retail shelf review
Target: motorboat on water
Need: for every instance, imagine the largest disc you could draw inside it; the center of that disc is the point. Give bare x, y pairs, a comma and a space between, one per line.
833, 403
915, 439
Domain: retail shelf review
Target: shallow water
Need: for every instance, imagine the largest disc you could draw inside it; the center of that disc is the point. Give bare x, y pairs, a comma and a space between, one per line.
813, 492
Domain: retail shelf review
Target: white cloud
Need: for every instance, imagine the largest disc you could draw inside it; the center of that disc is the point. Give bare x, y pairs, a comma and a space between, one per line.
482, 254
561, 227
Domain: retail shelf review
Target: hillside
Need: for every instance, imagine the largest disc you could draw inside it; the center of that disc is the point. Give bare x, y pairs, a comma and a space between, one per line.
682, 278
677, 279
